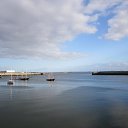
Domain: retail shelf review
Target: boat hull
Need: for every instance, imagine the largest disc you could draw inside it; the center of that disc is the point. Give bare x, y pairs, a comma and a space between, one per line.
50, 79
10, 82
26, 78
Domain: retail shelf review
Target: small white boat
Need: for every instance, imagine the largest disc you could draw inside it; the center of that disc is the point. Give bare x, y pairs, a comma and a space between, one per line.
50, 77
10, 82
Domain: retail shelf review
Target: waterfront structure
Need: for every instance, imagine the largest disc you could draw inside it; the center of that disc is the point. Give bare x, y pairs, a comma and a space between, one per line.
7, 71
110, 73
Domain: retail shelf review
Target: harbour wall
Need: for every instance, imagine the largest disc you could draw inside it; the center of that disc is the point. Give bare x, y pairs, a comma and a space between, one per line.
19, 73
110, 73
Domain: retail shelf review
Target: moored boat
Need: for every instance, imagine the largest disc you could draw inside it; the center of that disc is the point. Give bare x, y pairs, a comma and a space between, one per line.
50, 77
10, 82
23, 78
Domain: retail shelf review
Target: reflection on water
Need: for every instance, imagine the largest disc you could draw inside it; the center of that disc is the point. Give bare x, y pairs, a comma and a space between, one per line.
50, 83
86, 102
10, 88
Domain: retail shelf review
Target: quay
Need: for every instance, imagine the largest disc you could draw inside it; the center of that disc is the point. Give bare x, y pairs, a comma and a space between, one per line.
110, 73
20, 73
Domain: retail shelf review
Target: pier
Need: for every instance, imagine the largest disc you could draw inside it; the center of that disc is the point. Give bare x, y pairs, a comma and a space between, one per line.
20, 73
110, 73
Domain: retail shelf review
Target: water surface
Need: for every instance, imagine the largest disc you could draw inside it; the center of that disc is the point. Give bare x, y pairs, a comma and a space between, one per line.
74, 100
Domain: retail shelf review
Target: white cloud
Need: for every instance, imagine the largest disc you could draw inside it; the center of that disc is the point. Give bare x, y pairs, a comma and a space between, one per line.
118, 25
110, 66
39, 27
100, 6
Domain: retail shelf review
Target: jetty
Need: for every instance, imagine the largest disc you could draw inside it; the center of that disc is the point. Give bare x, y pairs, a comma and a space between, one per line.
110, 73
20, 73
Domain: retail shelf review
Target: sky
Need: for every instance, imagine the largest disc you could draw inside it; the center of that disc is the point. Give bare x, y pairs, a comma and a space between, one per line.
63, 35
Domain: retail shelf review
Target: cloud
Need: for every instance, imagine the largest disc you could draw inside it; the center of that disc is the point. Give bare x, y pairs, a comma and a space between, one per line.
118, 25
108, 66
38, 27
100, 6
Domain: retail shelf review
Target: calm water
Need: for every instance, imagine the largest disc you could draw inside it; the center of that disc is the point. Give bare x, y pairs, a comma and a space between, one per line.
74, 100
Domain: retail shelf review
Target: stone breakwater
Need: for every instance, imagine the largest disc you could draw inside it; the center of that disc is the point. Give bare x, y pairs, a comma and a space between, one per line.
19, 73
110, 73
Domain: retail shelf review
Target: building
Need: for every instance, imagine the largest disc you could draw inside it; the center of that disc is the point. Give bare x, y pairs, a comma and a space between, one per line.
10, 70
7, 71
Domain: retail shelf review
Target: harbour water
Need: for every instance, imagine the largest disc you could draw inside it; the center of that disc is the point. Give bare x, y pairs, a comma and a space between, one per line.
73, 100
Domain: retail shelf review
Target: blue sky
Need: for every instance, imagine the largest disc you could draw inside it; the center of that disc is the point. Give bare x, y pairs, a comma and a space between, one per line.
63, 35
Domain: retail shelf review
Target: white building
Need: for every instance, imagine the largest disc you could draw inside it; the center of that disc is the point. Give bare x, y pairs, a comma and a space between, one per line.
10, 70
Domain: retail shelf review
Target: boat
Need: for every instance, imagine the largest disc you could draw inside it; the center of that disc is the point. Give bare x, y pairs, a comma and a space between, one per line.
11, 81
50, 77
24, 77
